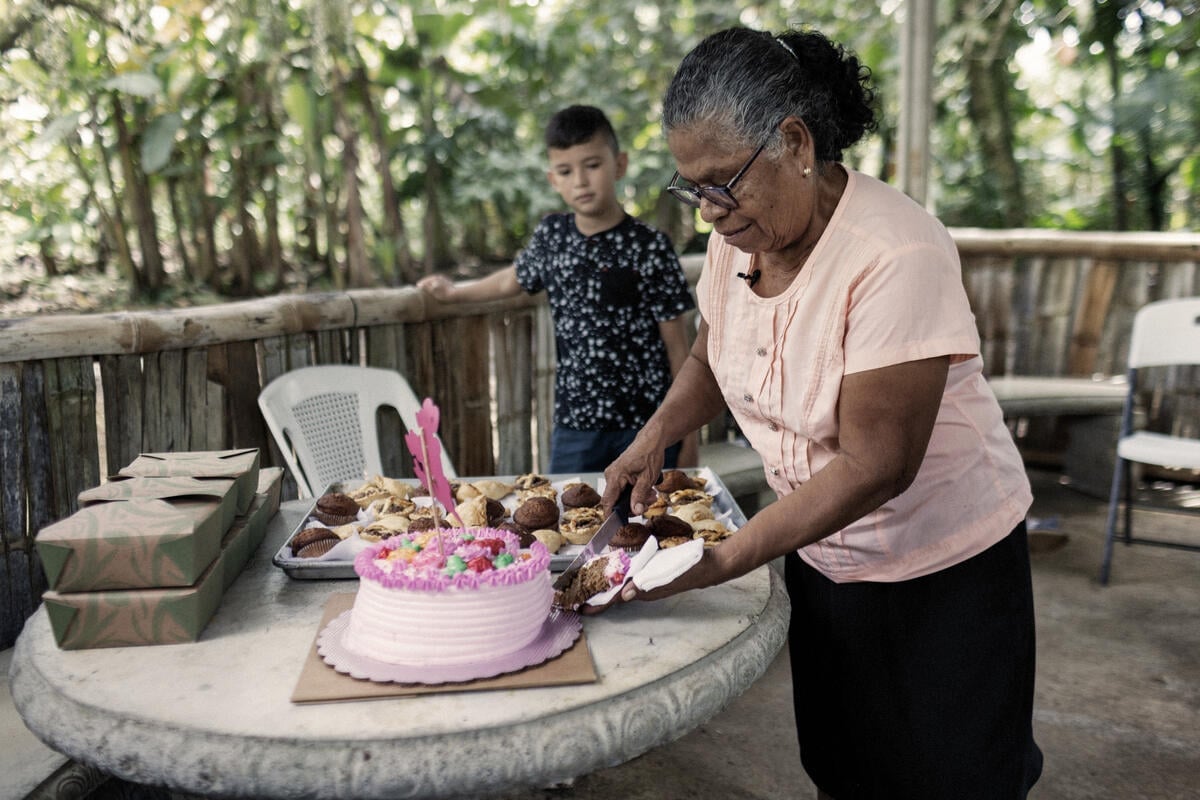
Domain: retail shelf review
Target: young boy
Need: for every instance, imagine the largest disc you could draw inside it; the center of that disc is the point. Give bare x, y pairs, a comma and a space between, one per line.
617, 295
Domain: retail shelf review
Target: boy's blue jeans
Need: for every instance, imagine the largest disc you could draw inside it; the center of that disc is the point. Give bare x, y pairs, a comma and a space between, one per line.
592, 451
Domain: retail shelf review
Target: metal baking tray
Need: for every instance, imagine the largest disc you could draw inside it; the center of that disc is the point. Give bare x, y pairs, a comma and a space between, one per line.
725, 508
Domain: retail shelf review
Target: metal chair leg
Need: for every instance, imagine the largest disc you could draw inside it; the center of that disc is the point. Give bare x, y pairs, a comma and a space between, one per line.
1120, 469
1128, 504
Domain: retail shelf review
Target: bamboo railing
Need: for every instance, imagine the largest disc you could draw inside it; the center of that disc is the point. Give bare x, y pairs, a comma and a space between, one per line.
82, 395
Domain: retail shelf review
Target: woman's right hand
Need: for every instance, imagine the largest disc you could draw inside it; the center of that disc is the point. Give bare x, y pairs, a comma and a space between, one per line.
640, 466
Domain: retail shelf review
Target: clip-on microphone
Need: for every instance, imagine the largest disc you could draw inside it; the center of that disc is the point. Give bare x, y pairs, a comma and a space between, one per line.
750, 278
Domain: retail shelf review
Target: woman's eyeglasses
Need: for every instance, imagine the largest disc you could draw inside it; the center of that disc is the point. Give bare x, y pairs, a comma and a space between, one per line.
690, 194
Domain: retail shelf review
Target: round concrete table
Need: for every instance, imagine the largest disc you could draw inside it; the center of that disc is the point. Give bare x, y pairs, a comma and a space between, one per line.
214, 717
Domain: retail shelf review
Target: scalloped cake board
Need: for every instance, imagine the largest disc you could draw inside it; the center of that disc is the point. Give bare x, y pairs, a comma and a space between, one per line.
321, 683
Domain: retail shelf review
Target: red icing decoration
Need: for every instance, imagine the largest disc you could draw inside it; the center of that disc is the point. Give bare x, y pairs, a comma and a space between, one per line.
495, 545
479, 564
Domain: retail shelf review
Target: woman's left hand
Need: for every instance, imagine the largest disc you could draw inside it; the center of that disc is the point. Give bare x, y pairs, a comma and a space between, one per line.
704, 573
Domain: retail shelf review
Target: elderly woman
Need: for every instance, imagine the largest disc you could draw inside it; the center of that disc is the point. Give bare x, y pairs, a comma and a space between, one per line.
836, 329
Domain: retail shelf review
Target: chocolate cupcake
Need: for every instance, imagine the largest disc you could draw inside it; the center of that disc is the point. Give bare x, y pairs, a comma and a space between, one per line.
524, 536
336, 508
665, 526
537, 512
496, 512
309, 536
673, 480
317, 548
579, 495
631, 536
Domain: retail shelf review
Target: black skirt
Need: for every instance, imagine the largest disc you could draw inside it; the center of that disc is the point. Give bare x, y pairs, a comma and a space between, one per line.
918, 689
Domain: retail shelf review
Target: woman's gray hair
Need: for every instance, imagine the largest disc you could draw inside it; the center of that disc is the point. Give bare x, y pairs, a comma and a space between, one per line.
739, 84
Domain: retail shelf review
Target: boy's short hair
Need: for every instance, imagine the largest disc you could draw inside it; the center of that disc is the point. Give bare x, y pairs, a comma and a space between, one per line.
577, 124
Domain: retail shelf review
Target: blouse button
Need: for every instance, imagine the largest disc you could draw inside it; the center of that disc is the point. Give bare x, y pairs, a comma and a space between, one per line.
762, 351
747, 398
773, 427
775, 471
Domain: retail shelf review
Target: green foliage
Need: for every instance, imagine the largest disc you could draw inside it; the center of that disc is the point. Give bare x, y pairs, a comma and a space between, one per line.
271, 138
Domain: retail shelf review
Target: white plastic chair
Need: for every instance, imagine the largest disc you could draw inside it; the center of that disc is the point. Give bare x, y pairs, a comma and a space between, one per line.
323, 420
1164, 333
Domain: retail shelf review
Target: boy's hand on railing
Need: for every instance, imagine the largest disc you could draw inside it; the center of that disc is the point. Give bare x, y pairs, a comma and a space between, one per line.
439, 287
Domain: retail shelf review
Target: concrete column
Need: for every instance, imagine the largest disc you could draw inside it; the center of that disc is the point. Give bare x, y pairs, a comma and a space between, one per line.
918, 39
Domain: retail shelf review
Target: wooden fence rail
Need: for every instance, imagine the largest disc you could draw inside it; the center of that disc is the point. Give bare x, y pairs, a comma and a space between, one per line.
82, 395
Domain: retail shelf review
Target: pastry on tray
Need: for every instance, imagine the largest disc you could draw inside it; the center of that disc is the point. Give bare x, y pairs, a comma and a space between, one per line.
579, 524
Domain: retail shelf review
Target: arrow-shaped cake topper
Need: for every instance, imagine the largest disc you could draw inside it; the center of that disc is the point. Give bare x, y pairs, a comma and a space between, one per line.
426, 451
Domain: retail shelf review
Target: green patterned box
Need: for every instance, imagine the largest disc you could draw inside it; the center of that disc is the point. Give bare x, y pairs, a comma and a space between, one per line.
126, 618
170, 489
82, 620
270, 486
132, 544
248, 531
239, 465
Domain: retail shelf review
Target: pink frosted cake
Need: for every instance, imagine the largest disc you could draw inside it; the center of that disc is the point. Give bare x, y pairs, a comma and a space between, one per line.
480, 597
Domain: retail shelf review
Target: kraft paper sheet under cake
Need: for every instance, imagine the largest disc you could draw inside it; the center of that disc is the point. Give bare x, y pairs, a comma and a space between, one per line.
321, 683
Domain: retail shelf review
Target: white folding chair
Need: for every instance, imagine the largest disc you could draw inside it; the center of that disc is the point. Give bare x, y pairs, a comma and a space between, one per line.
324, 421
1165, 333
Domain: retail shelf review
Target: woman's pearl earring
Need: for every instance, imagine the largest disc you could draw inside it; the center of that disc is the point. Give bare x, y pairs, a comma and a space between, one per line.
807, 171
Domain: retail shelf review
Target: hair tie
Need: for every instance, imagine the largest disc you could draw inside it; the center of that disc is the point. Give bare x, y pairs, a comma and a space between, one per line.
787, 47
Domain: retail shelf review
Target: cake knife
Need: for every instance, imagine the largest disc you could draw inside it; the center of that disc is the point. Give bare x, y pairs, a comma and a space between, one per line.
600, 539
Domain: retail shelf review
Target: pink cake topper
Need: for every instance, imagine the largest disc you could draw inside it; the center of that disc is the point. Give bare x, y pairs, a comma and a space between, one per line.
426, 451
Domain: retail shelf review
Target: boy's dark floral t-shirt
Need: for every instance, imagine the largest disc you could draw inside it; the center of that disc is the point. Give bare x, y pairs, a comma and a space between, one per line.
607, 294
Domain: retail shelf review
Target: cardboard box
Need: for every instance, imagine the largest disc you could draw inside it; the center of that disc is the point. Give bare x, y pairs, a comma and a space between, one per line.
132, 544
83, 620
170, 489
134, 617
270, 484
244, 537
239, 465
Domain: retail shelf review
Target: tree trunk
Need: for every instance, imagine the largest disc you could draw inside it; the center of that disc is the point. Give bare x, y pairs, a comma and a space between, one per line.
117, 218
180, 223
247, 251
985, 56
437, 245
137, 191
397, 257
308, 225
49, 261
200, 210
358, 267
1120, 162
112, 224
274, 263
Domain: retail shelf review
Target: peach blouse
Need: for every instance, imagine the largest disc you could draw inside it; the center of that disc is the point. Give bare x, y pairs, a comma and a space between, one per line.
882, 286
